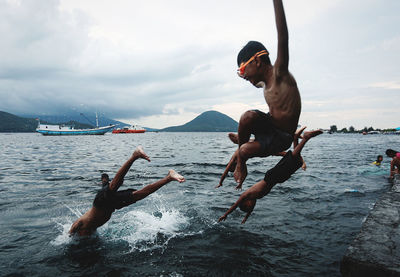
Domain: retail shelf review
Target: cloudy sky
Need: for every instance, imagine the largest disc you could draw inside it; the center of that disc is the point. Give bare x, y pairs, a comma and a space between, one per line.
161, 63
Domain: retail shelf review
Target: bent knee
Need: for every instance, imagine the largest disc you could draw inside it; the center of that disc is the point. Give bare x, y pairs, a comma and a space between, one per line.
248, 117
250, 149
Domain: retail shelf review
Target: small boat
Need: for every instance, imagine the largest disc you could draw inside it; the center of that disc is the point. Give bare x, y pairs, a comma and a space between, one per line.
129, 130
60, 130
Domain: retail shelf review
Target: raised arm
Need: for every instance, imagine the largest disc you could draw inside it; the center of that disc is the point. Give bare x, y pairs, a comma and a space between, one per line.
282, 60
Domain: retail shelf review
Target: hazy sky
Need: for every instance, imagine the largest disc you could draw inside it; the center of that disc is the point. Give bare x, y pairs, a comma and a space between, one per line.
161, 63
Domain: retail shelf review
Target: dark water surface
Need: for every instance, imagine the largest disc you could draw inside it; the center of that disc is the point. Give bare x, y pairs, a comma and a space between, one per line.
302, 228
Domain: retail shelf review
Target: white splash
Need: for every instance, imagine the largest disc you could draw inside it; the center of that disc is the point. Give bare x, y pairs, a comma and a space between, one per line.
63, 224
144, 230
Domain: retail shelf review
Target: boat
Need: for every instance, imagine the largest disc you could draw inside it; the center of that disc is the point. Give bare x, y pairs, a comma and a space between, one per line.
133, 129
60, 130
64, 130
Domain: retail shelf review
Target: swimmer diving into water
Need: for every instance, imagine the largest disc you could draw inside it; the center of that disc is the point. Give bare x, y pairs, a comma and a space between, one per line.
273, 131
109, 198
280, 173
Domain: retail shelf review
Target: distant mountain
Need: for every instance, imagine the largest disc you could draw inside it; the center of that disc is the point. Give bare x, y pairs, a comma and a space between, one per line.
210, 121
13, 123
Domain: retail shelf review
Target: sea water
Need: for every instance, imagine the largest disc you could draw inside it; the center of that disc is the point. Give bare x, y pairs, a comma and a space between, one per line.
301, 228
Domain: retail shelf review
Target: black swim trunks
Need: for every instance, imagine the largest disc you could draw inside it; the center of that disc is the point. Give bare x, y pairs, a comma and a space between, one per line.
272, 139
283, 169
110, 200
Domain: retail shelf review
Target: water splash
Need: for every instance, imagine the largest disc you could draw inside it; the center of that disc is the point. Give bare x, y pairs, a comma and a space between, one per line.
147, 230
143, 230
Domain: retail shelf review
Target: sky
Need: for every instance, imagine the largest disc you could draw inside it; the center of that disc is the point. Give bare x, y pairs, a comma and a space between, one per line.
161, 63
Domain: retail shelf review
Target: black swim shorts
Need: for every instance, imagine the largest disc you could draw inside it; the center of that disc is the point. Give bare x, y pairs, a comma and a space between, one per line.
110, 200
272, 139
283, 169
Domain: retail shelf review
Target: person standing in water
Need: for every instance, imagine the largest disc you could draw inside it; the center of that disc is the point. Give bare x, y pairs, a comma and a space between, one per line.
280, 173
273, 130
395, 163
109, 198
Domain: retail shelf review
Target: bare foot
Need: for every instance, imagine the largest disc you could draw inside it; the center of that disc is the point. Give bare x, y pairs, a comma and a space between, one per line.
139, 153
311, 134
234, 138
298, 132
175, 176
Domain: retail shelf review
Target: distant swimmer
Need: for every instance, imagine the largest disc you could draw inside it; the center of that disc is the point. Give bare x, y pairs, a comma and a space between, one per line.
273, 130
109, 198
378, 161
395, 163
278, 174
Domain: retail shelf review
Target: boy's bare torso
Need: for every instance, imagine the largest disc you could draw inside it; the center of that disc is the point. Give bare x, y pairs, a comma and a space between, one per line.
283, 99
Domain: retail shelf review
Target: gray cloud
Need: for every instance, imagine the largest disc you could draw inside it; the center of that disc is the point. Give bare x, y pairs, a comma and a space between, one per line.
50, 61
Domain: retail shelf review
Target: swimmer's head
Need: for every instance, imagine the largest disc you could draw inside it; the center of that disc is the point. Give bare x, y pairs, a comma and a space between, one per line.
249, 50
391, 153
379, 158
247, 205
105, 179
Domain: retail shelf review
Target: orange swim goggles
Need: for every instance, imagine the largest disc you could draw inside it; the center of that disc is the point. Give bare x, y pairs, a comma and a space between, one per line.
242, 66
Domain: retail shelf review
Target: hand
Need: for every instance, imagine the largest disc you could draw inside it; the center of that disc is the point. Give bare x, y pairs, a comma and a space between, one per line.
239, 186
222, 218
246, 217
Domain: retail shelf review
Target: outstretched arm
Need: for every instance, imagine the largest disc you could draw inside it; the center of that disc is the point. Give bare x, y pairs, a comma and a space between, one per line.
282, 60
231, 209
257, 191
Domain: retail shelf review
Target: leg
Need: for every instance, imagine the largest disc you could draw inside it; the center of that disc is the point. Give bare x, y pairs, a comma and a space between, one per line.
119, 177
149, 189
296, 137
249, 123
246, 151
306, 137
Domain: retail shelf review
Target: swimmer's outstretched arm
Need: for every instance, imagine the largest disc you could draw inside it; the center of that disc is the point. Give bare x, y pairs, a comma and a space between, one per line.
231, 209
118, 180
282, 60
257, 191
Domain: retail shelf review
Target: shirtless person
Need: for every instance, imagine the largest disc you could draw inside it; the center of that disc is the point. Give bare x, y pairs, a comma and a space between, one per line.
109, 198
273, 131
278, 174
230, 166
395, 163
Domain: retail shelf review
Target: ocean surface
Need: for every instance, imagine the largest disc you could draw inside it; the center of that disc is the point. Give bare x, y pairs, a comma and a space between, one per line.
302, 228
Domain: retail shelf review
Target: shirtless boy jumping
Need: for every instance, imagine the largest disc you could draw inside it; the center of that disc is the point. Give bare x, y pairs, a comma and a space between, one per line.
281, 172
273, 131
109, 198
